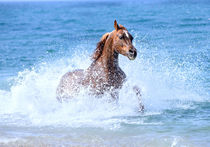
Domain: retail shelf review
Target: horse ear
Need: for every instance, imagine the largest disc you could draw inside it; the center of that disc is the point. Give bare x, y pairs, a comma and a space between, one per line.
100, 47
116, 26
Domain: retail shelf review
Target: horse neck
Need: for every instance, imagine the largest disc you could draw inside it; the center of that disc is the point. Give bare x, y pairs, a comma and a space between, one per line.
109, 57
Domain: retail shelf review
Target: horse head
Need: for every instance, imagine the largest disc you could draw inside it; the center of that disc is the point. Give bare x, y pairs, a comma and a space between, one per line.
119, 40
122, 42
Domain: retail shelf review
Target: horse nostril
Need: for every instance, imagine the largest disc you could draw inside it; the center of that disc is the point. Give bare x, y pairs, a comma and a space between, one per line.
131, 51
132, 54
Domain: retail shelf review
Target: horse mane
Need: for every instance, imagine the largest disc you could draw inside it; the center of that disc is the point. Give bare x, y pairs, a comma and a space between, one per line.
100, 46
122, 27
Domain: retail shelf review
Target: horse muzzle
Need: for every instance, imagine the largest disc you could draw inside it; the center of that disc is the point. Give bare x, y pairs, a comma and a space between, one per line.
132, 53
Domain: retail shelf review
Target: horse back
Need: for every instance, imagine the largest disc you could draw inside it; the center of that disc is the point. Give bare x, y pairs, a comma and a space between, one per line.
69, 84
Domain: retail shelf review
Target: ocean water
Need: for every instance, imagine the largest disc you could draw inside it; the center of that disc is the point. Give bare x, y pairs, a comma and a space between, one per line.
40, 41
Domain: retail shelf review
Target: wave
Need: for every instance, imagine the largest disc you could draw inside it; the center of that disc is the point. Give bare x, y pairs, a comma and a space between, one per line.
165, 85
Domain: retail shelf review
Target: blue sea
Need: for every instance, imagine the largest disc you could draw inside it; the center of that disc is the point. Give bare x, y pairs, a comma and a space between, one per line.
41, 41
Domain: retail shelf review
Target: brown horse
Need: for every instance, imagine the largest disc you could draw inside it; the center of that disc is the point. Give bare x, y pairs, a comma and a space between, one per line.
104, 74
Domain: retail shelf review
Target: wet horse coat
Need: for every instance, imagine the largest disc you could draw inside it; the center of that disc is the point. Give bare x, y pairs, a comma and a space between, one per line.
104, 74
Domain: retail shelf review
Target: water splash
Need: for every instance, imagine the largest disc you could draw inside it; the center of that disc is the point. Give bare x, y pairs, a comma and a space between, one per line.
164, 85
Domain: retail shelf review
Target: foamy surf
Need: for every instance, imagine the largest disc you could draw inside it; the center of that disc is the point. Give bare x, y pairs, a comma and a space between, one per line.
31, 104
32, 95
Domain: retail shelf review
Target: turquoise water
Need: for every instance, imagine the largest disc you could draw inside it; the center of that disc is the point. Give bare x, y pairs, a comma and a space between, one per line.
40, 41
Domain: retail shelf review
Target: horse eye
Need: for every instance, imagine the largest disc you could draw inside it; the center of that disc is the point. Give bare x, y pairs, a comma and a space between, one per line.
121, 37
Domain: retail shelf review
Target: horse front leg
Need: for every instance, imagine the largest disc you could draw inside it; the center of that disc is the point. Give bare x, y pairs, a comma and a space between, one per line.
137, 91
115, 96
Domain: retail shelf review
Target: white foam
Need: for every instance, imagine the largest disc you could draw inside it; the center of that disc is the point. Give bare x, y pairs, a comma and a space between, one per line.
4, 140
33, 94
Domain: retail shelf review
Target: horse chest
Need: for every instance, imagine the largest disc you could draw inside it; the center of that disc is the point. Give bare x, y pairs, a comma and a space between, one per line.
110, 80
116, 79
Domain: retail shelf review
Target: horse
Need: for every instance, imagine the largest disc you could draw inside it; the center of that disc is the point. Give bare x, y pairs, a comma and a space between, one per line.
104, 74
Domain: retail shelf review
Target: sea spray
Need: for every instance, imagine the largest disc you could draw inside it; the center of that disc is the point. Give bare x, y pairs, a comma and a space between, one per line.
33, 93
